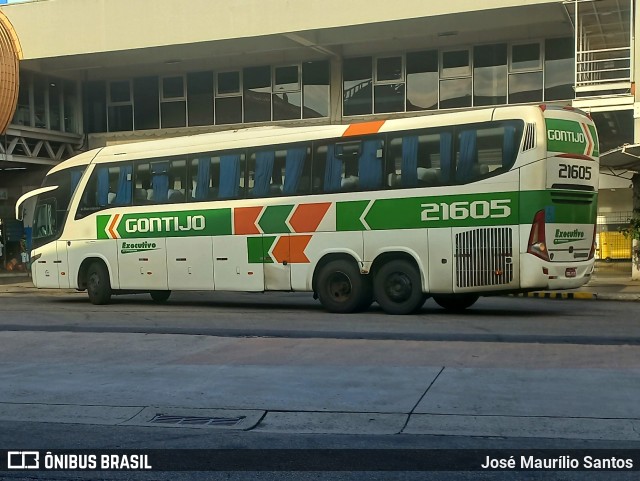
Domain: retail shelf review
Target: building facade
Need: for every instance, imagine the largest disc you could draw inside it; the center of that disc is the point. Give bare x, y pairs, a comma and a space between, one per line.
98, 72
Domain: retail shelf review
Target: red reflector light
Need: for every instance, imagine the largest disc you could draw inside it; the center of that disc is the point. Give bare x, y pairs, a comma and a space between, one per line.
570, 272
537, 237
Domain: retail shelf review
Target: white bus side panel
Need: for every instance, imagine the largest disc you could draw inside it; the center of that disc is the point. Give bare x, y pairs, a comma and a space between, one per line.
143, 269
410, 241
232, 270
320, 245
440, 261
106, 250
190, 263
45, 268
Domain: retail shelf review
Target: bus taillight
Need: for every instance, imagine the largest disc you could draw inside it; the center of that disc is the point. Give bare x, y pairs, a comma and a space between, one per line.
537, 238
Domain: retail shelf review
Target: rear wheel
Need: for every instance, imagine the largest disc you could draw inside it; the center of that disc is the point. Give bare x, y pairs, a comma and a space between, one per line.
397, 287
98, 284
341, 288
160, 296
456, 302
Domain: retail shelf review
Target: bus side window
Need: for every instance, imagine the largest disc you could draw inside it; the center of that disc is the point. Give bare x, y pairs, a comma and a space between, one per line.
349, 166
415, 160
108, 186
279, 171
485, 152
177, 181
231, 181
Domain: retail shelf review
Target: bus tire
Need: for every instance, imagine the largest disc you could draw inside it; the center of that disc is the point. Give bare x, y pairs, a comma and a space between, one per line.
342, 289
397, 286
98, 284
160, 297
456, 302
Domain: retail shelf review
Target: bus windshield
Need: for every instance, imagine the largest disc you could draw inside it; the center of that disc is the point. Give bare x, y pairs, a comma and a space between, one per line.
52, 206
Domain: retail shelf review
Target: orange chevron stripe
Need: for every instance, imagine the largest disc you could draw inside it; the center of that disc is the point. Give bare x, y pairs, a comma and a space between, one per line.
114, 222
587, 134
363, 128
297, 246
244, 220
280, 251
307, 217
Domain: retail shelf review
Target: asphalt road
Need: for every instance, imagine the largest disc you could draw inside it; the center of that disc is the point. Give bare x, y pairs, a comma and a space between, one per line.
60, 336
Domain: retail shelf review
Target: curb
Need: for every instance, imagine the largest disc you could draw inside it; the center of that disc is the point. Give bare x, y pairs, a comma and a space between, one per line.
561, 295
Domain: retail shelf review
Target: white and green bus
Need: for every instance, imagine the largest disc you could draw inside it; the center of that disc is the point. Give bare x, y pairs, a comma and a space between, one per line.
451, 206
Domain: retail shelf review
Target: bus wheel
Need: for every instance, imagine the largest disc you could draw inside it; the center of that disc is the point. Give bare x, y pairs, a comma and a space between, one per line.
160, 296
341, 287
456, 302
397, 287
98, 284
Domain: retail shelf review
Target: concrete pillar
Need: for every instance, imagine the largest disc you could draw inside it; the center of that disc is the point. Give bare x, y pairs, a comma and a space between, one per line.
335, 90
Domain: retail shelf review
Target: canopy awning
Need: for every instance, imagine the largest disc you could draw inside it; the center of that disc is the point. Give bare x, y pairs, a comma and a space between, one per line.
626, 157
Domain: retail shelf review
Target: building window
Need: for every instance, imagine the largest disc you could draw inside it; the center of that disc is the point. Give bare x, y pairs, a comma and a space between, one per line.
422, 80
228, 104
173, 102
357, 86
490, 74
95, 100
200, 98
389, 85
70, 105
55, 105
40, 96
146, 103
120, 106
315, 89
559, 69
22, 115
287, 92
525, 73
257, 94
455, 83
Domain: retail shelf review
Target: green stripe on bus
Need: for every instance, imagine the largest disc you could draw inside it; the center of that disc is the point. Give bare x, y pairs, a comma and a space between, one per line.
273, 220
561, 206
348, 215
566, 136
187, 223
258, 249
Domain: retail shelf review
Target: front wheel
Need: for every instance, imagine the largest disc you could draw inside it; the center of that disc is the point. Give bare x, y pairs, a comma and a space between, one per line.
160, 296
341, 288
397, 287
98, 284
456, 302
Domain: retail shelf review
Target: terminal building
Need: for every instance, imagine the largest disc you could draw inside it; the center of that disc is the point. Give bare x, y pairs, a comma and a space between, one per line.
100, 72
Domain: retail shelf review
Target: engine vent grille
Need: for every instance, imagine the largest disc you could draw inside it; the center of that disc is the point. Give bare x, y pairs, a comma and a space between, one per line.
529, 137
483, 257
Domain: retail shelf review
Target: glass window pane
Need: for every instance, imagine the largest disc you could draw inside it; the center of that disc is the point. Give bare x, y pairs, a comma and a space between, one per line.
22, 115
55, 89
388, 68
286, 105
173, 114
70, 106
490, 74
96, 106
525, 87
455, 63
315, 80
172, 87
228, 110
389, 98
146, 103
455, 93
228, 83
525, 57
559, 69
200, 98
286, 78
39, 95
119, 91
257, 94
422, 80
120, 118
357, 86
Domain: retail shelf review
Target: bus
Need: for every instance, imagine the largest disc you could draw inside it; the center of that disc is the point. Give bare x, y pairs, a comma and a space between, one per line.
452, 206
